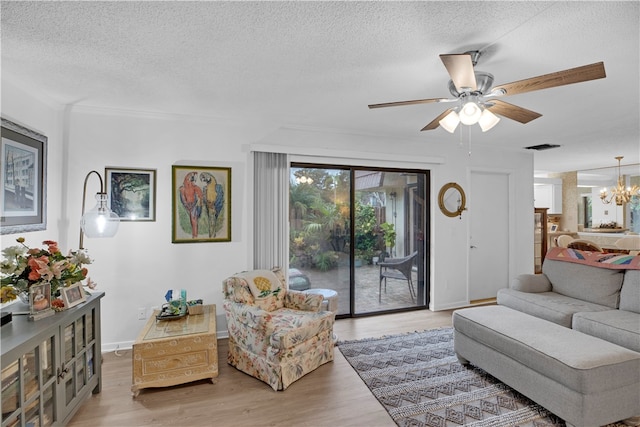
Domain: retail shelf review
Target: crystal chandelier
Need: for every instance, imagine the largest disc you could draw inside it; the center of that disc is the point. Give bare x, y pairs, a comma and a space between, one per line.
620, 194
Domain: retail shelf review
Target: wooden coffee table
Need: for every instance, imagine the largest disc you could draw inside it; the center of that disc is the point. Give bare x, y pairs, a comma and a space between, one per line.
171, 352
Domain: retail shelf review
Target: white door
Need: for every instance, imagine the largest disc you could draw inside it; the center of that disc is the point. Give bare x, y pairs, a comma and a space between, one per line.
489, 234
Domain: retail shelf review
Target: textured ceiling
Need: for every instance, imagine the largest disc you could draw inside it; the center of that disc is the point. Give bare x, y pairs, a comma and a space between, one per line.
318, 65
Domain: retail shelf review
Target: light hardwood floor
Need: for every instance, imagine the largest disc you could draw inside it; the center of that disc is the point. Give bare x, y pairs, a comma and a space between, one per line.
332, 395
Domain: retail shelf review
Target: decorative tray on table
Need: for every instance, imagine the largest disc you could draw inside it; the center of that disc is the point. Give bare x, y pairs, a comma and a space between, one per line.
171, 313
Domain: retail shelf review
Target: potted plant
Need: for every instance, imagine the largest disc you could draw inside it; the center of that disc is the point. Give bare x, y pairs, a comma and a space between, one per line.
389, 235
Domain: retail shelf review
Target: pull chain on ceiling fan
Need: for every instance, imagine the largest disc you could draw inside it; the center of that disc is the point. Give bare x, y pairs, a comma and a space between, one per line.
477, 101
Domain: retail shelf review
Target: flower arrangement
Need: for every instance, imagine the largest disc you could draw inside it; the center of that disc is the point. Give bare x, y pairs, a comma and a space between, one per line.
23, 267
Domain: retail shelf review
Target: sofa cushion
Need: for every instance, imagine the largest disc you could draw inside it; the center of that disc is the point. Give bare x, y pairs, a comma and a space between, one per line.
550, 306
262, 288
630, 292
531, 283
587, 283
616, 326
262, 283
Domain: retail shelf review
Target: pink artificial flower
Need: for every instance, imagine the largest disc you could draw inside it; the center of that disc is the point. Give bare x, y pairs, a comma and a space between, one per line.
35, 265
53, 246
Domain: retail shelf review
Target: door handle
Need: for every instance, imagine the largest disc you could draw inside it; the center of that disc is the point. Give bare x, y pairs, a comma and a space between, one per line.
473, 247
61, 373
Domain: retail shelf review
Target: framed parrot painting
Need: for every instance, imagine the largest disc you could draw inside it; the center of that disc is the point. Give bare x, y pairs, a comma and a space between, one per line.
201, 204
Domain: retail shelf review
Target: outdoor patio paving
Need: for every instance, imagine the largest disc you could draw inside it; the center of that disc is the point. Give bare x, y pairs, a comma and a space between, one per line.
366, 289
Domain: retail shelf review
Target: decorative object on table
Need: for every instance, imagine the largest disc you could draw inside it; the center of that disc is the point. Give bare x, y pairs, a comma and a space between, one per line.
621, 193
195, 307
171, 311
201, 204
434, 386
612, 225
73, 295
173, 308
100, 221
40, 301
24, 179
132, 193
23, 267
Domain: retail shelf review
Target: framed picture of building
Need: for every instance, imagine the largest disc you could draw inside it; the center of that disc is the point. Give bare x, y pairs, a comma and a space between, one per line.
201, 207
23, 179
132, 193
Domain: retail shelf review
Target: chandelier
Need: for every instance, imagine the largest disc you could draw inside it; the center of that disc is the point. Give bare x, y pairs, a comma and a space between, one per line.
620, 194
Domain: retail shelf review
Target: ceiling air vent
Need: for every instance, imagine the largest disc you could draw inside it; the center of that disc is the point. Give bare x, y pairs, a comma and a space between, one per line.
542, 147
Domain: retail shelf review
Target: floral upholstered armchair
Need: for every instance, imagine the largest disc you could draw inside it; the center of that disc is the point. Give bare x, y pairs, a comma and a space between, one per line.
275, 334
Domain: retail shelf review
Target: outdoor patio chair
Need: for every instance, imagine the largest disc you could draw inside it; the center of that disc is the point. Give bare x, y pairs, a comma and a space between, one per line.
397, 268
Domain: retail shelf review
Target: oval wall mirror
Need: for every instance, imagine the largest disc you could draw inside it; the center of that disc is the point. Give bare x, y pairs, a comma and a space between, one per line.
452, 200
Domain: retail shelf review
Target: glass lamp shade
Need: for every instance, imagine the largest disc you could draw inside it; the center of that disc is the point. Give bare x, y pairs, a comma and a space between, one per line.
450, 122
470, 113
100, 221
488, 120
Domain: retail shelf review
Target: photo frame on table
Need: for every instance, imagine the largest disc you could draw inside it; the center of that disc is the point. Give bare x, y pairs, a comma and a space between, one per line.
201, 204
23, 179
554, 228
40, 301
131, 193
72, 295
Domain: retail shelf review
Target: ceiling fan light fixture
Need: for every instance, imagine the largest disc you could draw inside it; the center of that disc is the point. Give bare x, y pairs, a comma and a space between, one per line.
470, 113
450, 121
488, 120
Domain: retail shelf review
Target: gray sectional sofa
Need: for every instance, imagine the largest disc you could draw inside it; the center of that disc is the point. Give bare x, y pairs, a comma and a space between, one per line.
601, 302
569, 339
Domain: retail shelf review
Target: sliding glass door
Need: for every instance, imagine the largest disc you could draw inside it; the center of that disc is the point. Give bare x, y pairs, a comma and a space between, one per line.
360, 232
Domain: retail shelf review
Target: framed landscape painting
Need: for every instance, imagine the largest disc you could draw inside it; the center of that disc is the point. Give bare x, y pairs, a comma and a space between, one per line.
201, 204
132, 193
23, 181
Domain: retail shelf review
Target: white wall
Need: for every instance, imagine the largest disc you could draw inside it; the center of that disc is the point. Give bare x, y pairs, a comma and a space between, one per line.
137, 266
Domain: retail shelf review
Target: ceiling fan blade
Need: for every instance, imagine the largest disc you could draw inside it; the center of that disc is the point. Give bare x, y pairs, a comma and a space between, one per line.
559, 78
460, 68
413, 102
511, 111
436, 122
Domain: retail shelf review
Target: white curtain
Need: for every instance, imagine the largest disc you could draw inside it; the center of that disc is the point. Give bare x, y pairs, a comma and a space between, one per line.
270, 210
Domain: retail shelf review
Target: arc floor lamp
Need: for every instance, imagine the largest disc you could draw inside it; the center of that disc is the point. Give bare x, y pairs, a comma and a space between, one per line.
100, 221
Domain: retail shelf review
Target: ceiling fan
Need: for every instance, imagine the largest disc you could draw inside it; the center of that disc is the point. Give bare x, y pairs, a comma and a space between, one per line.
477, 99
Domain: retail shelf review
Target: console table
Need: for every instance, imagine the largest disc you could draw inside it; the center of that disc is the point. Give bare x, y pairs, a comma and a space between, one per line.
50, 366
171, 352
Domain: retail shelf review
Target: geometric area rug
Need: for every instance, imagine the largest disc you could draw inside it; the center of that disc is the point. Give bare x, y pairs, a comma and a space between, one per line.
419, 381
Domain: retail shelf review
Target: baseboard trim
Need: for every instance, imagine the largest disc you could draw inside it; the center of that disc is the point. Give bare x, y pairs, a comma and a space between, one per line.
483, 301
